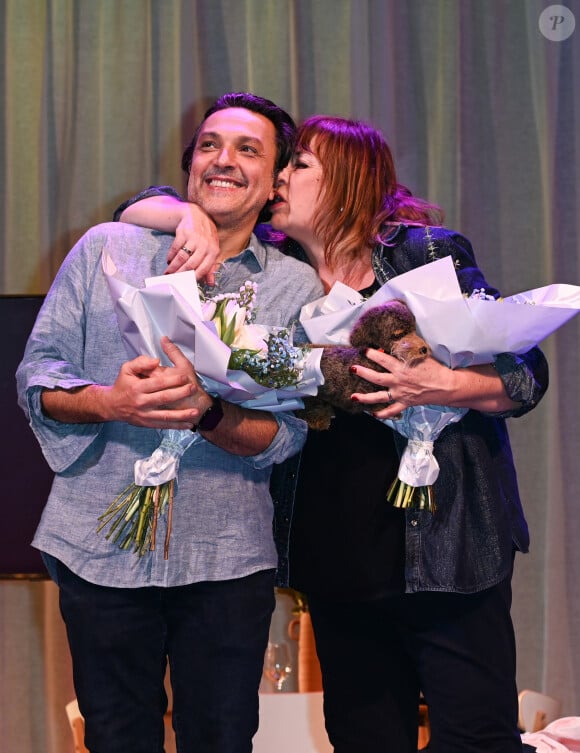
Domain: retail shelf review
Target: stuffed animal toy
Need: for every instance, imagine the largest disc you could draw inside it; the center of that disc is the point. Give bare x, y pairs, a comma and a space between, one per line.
390, 327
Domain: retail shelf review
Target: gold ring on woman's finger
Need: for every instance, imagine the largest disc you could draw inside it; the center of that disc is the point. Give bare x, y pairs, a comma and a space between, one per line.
187, 251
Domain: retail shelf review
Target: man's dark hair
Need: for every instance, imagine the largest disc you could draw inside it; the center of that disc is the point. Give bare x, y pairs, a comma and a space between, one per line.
282, 122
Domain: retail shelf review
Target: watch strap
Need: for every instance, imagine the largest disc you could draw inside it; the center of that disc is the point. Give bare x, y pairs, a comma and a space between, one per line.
212, 416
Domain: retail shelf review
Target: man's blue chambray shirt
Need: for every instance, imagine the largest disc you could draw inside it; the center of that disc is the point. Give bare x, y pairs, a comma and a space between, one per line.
222, 516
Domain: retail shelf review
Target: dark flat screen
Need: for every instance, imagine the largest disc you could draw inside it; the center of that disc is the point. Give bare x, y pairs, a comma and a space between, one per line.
25, 477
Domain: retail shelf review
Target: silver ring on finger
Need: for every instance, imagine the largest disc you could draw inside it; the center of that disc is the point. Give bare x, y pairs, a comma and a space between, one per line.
187, 250
391, 399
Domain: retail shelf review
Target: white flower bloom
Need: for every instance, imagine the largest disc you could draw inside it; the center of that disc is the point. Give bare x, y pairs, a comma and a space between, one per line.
208, 308
252, 337
233, 311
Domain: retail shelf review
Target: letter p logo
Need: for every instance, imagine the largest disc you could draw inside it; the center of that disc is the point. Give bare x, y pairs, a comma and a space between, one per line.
557, 23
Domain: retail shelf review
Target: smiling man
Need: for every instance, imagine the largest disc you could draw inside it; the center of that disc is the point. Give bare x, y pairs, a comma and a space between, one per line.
207, 608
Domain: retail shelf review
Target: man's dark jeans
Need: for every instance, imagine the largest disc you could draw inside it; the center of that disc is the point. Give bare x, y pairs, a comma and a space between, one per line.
214, 634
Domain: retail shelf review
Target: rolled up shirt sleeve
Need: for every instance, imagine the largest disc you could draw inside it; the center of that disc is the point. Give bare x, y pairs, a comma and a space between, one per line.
526, 379
289, 440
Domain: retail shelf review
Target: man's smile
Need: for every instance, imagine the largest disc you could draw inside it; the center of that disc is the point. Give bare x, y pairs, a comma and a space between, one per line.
224, 181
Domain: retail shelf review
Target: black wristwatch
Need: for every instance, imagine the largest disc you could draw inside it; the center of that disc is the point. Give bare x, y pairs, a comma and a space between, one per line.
212, 416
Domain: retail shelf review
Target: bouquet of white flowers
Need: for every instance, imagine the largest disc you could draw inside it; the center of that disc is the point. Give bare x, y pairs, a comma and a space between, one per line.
252, 365
461, 331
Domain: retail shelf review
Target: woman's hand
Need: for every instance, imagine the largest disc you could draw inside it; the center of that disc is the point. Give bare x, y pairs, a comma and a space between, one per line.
196, 244
431, 383
426, 383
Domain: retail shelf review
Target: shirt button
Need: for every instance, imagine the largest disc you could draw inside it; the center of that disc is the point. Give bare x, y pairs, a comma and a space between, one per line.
414, 522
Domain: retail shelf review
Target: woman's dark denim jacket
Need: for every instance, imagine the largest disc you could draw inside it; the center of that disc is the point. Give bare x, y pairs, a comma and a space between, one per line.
467, 545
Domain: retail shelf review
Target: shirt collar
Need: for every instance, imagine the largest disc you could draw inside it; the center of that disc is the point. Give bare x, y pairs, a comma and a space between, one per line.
254, 254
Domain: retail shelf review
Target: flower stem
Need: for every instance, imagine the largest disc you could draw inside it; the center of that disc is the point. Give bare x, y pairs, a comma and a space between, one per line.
169, 520
117, 504
405, 496
133, 517
155, 517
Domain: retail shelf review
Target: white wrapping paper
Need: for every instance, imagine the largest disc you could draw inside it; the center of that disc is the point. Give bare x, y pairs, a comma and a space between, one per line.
169, 305
460, 331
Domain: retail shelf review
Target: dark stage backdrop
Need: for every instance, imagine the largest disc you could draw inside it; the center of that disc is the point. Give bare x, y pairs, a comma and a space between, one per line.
25, 477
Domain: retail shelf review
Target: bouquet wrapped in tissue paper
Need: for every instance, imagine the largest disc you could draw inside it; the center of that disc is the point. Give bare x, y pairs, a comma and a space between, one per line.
461, 331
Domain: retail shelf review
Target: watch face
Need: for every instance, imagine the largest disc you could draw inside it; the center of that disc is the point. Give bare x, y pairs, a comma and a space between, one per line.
212, 416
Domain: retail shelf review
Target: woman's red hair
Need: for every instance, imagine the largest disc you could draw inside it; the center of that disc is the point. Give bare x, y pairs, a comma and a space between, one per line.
360, 192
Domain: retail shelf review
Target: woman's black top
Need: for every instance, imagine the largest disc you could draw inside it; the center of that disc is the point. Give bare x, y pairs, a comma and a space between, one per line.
347, 541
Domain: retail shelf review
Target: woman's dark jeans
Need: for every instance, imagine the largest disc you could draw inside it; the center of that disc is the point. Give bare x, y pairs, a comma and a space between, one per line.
458, 649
